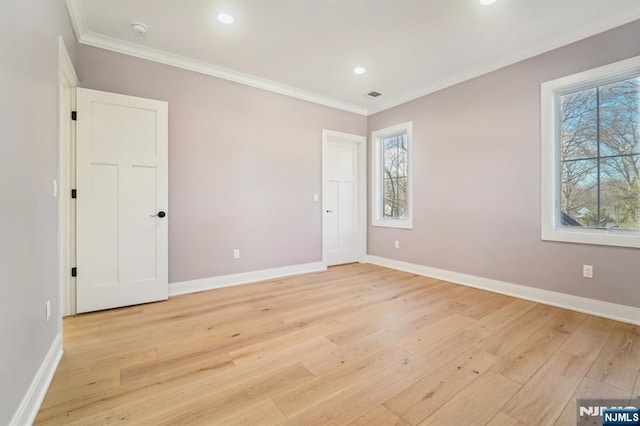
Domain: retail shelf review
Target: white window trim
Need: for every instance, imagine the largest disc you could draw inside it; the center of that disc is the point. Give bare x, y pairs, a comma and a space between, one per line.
552, 229
376, 174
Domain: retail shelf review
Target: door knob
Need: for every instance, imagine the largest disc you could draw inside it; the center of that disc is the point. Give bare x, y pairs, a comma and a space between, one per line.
329, 211
159, 214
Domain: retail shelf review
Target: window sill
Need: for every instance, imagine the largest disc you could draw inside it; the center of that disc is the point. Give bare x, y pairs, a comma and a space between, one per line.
392, 223
599, 237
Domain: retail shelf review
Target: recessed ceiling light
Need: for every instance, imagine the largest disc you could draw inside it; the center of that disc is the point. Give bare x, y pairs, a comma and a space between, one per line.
487, 2
359, 70
225, 18
139, 28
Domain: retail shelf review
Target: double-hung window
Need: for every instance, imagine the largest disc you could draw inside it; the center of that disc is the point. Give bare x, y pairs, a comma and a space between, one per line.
591, 156
391, 173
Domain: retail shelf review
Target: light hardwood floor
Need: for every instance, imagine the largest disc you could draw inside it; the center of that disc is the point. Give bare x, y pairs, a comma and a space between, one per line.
358, 344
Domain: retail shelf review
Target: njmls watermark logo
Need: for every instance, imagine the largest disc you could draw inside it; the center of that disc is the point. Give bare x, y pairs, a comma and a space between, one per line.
609, 412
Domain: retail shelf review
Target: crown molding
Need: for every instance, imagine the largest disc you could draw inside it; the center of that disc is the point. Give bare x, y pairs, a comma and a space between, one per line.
77, 16
577, 35
86, 37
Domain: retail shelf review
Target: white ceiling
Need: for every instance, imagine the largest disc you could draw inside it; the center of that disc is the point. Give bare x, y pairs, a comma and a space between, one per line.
308, 48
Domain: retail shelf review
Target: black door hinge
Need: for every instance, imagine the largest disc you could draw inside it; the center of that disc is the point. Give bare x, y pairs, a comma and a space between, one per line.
74, 193
74, 115
74, 272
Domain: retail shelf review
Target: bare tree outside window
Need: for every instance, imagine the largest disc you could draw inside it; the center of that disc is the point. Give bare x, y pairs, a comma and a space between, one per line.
600, 156
395, 176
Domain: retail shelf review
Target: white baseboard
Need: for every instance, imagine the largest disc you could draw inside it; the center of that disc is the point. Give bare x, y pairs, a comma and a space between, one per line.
599, 308
30, 405
204, 284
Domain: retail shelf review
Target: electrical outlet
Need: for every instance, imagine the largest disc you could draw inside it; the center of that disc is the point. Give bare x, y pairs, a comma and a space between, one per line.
397, 244
48, 310
236, 253
587, 271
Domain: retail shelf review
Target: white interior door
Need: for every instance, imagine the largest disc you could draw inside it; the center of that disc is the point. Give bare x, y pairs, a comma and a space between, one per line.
341, 195
122, 240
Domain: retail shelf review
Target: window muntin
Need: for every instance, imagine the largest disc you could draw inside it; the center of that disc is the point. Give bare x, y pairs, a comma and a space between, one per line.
395, 176
600, 156
391, 177
590, 157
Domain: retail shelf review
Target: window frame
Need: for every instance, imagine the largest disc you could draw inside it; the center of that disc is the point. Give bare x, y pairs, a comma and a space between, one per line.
377, 196
550, 92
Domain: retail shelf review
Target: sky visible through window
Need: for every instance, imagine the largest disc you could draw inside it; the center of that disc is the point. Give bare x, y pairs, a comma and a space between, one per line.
394, 179
600, 155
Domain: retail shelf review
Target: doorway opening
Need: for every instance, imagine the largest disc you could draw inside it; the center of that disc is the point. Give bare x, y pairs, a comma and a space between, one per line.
344, 198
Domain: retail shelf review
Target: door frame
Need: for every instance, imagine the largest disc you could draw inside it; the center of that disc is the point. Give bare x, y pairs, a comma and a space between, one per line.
67, 84
361, 141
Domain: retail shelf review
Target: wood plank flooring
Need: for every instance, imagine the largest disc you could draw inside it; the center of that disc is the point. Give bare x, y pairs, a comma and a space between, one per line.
358, 344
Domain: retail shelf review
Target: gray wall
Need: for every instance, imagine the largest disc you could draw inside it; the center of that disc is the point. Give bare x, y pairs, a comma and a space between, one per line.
243, 165
476, 166
29, 213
